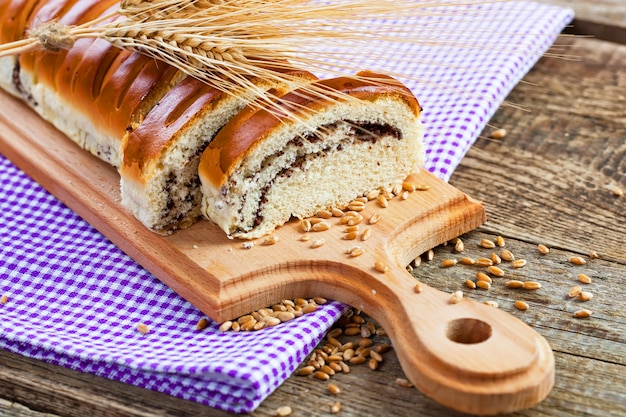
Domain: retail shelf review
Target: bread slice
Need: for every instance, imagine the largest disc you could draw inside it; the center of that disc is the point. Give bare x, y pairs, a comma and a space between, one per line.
265, 167
159, 171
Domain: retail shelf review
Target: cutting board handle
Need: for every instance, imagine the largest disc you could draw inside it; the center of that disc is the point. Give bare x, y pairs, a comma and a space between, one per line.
466, 355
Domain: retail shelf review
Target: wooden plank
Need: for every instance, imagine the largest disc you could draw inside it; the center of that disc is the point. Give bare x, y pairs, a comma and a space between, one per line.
602, 19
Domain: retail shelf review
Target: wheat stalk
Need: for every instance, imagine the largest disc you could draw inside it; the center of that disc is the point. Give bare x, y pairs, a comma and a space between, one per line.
227, 42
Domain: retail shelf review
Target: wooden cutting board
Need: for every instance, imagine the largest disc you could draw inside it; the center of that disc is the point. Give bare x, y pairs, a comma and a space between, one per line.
466, 355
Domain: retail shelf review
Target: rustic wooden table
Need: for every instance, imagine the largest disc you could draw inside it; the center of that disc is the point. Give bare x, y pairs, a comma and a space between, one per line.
551, 180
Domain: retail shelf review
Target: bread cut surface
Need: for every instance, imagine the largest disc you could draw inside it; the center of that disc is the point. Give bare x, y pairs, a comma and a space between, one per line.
264, 168
159, 172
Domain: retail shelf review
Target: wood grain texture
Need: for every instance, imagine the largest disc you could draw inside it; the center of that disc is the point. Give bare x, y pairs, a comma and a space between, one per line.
603, 19
550, 180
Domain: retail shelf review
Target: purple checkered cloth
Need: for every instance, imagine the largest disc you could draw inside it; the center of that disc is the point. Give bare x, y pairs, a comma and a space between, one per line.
74, 298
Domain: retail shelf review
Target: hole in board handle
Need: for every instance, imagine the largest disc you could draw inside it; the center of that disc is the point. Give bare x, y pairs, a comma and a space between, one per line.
468, 331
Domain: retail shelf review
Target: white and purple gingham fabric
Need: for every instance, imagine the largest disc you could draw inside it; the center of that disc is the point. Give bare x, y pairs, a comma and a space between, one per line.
74, 298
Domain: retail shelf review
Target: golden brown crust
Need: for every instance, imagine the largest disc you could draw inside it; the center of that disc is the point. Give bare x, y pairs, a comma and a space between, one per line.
177, 110
15, 16
114, 88
246, 129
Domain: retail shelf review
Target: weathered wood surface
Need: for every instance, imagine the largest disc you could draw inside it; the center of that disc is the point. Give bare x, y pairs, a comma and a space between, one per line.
604, 19
551, 181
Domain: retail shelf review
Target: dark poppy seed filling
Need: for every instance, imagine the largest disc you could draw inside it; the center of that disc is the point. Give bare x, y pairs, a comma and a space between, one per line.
363, 132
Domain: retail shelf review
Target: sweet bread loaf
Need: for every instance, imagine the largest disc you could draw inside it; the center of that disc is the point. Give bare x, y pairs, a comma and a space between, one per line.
322, 151
159, 170
93, 92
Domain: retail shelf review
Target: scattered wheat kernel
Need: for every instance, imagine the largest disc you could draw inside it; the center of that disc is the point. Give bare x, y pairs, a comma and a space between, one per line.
328, 370
305, 224
351, 229
577, 260
521, 305
284, 316
354, 220
483, 284
336, 212
618, 192
272, 240
491, 303
381, 266
374, 354
456, 298
373, 364
500, 241
583, 313
484, 262
351, 235
459, 246
335, 408
317, 243
574, 291
357, 360
321, 226
305, 238
409, 186
495, 271
467, 261
519, 263
283, 411
430, 255
272, 321
334, 389
585, 279
325, 214
422, 187
585, 296
382, 201
367, 233
4, 299
496, 259
514, 284
498, 134
247, 245
486, 243
507, 255
446, 263
481, 276
374, 218
470, 284
543, 249
320, 300
418, 288
305, 370
356, 251
594, 255
323, 376
202, 324
404, 383
356, 206
531, 285
143, 328
372, 195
